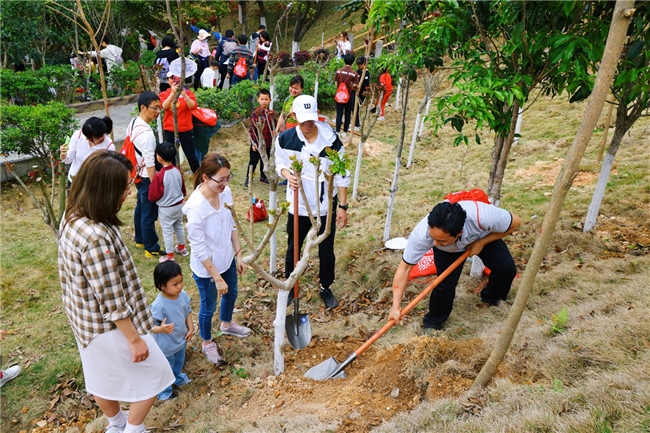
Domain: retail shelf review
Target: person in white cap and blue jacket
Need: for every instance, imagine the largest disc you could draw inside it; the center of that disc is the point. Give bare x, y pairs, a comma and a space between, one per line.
311, 138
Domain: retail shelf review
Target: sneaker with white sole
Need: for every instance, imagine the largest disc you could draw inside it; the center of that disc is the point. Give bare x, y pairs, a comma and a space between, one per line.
165, 259
10, 374
381, 118
328, 297
343, 134
235, 330
183, 252
212, 353
114, 429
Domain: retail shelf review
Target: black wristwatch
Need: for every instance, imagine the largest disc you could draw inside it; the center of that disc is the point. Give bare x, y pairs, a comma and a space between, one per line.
343, 206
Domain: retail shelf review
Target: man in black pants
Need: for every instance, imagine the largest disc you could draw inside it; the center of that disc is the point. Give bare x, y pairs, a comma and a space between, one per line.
312, 138
225, 47
450, 229
350, 79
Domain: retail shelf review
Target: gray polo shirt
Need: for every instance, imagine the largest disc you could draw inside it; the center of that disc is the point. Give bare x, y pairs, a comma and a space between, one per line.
482, 219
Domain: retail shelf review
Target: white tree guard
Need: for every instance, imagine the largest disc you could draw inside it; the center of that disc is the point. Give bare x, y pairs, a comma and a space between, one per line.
413, 139
263, 21
278, 324
520, 118
599, 192
316, 88
398, 94
295, 46
426, 113
357, 170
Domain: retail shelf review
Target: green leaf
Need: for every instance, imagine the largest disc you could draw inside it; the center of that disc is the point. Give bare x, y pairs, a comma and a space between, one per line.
478, 138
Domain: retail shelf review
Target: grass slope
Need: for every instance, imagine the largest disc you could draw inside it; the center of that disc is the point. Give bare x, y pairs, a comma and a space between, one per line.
590, 376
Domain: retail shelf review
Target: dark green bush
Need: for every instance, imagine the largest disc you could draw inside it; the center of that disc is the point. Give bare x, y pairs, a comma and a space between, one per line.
24, 88
35, 130
127, 81
236, 103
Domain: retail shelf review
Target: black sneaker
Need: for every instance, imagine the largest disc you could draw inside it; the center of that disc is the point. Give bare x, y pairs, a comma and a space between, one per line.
373, 110
264, 180
328, 298
152, 254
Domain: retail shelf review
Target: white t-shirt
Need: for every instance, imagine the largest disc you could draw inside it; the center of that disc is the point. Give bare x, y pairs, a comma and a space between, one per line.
145, 141
344, 47
482, 219
207, 78
209, 232
79, 149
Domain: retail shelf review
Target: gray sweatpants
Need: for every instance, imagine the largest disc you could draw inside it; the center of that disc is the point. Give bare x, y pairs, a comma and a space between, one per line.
171, 221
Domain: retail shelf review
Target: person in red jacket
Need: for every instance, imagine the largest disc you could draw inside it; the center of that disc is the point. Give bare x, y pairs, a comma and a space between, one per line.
184, 106
167, 190
387, 83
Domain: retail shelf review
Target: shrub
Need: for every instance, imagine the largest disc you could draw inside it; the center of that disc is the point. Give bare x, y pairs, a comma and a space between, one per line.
35, 130
125, 81
25, 88
321, 55
284, 59
301, 57
236, 103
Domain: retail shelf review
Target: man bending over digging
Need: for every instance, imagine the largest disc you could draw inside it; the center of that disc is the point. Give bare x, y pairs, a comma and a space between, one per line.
450, 229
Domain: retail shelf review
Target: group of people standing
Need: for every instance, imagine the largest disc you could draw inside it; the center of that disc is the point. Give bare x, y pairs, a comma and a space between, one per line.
134, 352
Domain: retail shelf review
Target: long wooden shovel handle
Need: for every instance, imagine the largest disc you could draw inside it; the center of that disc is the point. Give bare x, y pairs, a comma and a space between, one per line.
296, 243
413, 303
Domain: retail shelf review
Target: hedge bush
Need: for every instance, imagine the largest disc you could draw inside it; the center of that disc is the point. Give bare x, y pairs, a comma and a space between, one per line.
236, 103
35, 130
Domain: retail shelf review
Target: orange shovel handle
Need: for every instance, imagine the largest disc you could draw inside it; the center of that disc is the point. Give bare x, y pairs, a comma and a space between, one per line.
413, 303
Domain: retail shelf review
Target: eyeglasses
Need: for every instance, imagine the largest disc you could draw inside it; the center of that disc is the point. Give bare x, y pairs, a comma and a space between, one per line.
224, 180
158, 108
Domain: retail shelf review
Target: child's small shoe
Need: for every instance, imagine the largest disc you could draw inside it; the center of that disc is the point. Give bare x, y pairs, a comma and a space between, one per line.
165, 259
182, 251
235, 330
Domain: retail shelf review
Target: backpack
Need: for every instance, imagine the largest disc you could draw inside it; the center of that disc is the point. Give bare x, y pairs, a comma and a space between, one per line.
228, 47
162, 75
240, 69
342, 96
129, 150
471, 195
474, 195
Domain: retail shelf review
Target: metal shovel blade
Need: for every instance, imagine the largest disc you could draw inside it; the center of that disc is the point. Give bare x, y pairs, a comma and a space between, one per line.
323, 370
298, 332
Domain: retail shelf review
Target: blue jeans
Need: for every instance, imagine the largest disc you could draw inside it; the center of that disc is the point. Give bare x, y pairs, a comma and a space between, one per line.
208, 304
176, 362
199, 155
235, 79
144, 217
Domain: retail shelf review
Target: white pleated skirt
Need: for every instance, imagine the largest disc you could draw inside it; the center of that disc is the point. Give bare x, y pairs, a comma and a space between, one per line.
110, 374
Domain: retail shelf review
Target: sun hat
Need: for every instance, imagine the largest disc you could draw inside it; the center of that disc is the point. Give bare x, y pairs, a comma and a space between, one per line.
203, 35
305, 108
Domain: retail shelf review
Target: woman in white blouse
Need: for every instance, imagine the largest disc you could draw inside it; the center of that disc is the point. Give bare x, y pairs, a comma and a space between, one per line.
343, 46
216, 258
91, 137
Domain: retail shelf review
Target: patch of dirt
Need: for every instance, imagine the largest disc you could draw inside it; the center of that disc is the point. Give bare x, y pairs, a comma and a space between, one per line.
550, 170
378, 384
373, 148
623, 235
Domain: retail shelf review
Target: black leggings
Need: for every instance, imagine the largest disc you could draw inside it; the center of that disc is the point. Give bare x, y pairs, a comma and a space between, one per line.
187, 143
254, 158
344, 109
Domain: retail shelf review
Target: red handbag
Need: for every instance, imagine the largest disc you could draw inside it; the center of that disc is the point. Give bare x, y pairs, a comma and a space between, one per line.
205, 115
259, 211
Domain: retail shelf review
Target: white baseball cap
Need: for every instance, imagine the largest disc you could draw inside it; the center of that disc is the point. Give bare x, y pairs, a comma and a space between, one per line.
305, 108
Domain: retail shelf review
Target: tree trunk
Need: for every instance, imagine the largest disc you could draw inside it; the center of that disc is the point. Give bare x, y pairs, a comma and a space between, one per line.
608, 122
414, 137
623, 124
303, 24
426, 113
242, 9
260, 5
615, 40
495, 192
398, 163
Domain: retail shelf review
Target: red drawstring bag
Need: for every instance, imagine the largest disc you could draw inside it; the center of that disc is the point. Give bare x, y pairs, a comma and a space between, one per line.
259, 211
424, 267
205, 115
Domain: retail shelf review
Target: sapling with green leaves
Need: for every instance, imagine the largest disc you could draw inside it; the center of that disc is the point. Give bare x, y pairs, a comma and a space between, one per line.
338, 165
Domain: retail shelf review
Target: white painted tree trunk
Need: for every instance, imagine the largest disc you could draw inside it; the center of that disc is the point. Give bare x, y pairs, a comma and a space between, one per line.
279, 324
272, 91
316, 89
477, 268
273, 242
295, 46
398, 94
599, 192
160, 129
357, 170
413, 138
520, 118
426, 112
263, 21
379, 47
240, 15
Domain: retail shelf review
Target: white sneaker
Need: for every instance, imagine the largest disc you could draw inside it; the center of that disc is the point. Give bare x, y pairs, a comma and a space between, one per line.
381, 118
343, 134
236, 330
212, 353
184, 252
10, 374
114, 430
165, 258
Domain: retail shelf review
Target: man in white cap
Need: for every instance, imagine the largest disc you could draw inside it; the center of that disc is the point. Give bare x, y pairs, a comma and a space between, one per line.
201, 50
312, 138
